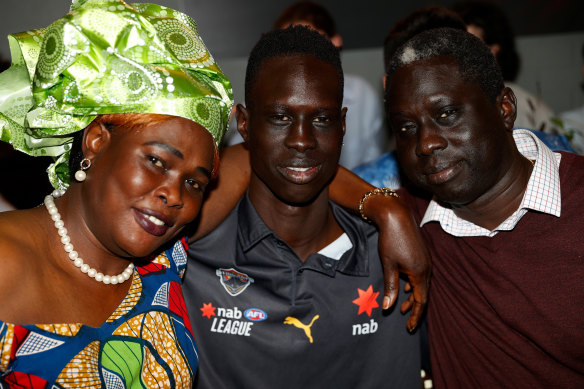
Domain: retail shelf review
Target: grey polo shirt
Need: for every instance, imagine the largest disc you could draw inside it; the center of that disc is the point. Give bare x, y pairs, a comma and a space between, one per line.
262, 318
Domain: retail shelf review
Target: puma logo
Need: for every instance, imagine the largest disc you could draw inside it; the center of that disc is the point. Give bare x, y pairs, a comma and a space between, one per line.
298, 324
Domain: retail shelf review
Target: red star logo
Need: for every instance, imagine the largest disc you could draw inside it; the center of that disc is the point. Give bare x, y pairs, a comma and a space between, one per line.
208, 310
367, 300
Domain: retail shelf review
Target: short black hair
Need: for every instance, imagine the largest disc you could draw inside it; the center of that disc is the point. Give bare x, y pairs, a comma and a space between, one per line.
497, 30
307, 11
475, 62
297, 40
423, 19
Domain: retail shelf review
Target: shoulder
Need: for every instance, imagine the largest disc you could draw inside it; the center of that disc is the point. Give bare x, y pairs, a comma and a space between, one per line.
14, 232
219, 240
572, 170
416, 199
573, 162
19, 240
351, 223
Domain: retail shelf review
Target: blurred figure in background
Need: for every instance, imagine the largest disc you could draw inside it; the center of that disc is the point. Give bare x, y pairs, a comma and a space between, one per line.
572, 122
365, 138
488, 22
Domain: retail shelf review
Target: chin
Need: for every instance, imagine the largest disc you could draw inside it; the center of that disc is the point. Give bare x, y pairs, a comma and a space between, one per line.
299, 197
141, 248
454, 198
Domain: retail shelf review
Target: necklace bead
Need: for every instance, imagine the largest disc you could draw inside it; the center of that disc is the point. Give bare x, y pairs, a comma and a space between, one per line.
70, 250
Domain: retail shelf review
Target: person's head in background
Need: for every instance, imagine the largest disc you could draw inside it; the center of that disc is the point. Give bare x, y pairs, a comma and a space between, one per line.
313, 15
423, 19
488, 22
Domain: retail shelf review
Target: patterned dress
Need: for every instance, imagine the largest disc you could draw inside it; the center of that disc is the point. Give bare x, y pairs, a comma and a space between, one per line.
147, 342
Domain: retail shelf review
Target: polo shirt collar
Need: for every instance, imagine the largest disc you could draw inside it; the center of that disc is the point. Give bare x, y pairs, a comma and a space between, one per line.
252, 230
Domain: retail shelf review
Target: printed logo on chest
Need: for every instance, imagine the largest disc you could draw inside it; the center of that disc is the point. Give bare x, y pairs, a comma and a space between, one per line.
367, 302
232, 321
233, 281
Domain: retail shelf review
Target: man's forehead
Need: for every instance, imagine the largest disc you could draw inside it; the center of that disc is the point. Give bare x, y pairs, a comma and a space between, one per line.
287, 71
424, 70
291, 61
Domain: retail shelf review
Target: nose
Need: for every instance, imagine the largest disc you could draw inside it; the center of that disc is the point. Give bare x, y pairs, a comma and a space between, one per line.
429, 139
301, 136
171, 192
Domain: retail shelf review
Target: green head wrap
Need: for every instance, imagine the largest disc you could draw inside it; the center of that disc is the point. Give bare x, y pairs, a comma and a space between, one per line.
105, 57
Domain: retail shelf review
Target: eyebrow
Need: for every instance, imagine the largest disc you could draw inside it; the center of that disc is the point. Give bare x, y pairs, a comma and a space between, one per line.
204, 171
167, 147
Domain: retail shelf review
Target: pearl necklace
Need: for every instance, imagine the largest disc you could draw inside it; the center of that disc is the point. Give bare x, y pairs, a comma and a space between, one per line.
73, 255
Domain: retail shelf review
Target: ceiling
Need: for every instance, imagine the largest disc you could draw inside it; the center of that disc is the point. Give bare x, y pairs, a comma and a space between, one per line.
231, 27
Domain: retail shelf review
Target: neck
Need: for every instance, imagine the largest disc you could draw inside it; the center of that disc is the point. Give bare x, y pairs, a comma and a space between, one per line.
502, 199
306, 228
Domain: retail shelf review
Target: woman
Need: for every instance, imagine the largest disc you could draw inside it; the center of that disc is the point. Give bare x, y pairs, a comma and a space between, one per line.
146, 105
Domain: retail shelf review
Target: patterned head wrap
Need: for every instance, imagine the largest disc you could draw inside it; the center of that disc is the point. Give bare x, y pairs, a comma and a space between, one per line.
106, 57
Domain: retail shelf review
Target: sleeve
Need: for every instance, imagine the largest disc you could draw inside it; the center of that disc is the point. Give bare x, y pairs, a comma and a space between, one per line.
10, 338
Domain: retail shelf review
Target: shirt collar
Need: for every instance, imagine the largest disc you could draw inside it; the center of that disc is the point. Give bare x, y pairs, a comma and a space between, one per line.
252, 230
542, 193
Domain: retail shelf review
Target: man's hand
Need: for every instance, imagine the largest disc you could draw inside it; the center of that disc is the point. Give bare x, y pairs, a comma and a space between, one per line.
402, 249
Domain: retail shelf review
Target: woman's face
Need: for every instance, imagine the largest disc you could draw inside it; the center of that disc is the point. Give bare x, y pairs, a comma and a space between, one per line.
146, 184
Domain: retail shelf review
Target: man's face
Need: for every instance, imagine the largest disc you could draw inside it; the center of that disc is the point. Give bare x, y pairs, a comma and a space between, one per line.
448, 135
294, 127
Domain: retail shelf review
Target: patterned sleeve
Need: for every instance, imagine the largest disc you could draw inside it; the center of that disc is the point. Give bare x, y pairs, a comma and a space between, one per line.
7, 344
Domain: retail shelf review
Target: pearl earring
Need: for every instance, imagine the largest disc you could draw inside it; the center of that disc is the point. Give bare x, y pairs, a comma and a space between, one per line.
80, 174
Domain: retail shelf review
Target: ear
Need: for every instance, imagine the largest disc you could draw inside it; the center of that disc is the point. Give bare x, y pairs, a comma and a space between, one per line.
337, 41
507, 104
384, 79
242, 116
343, 119
495, 49
95, 139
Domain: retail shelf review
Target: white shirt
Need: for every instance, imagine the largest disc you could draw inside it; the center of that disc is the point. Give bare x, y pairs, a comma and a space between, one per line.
365, 136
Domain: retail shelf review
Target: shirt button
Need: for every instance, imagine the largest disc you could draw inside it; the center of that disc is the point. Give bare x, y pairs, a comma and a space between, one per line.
328, 265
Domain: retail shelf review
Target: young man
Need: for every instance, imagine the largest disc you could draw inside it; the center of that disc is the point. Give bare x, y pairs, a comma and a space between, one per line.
287, 291
504, 222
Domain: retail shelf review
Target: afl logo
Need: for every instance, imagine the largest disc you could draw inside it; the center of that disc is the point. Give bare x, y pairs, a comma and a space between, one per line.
255, 314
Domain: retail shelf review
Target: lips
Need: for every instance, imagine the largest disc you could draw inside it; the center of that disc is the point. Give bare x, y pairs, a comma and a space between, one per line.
443, 172
300, 174
152, 222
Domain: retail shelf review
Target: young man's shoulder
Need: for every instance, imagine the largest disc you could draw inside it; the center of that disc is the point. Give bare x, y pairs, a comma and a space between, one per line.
347, 219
